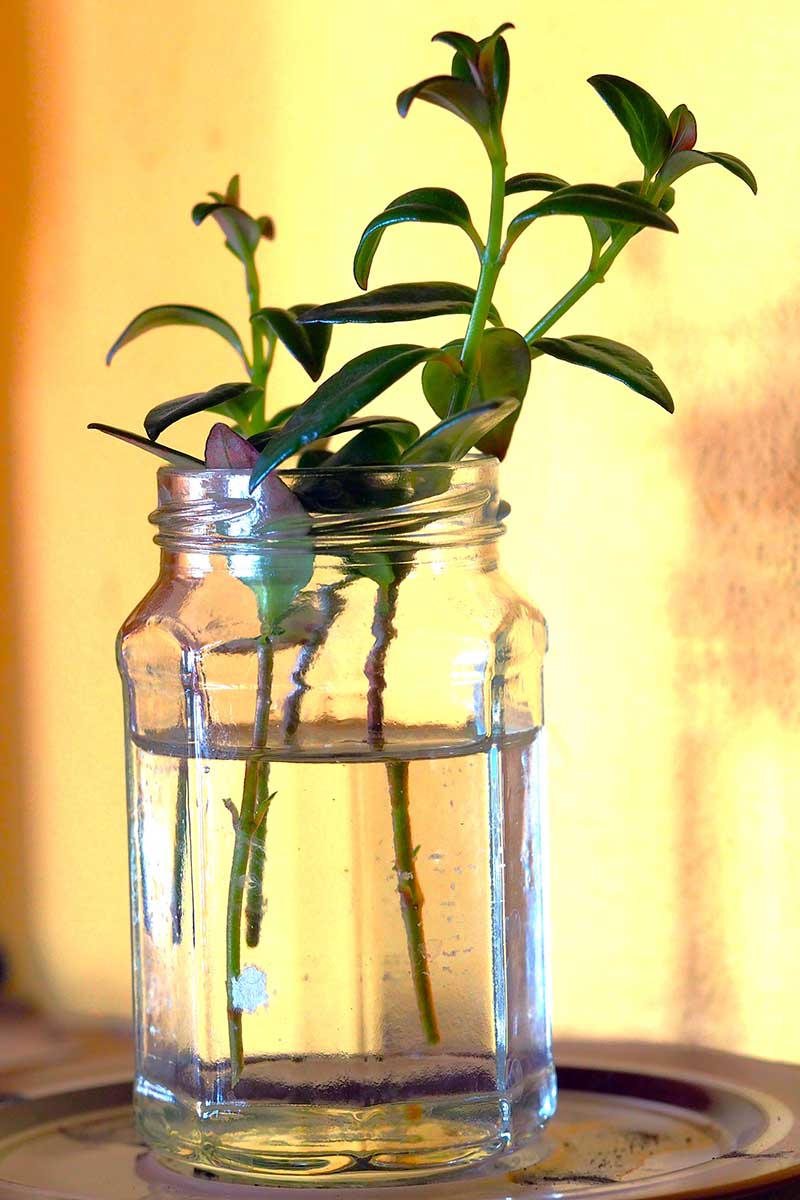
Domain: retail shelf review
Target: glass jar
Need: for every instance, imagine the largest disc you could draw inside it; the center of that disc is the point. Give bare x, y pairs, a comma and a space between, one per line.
335, 787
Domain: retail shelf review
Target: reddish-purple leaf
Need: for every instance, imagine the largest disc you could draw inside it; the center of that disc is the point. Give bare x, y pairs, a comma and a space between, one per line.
227, 449
684, 129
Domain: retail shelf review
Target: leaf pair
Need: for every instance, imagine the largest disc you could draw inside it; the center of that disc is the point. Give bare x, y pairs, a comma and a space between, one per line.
477, 89
242, 232
663, 144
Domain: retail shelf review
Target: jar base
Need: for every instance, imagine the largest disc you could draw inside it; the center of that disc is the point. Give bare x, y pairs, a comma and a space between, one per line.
386, 1144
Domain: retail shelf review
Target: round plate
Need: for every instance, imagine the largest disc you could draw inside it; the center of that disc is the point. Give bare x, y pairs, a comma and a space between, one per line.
634, 1122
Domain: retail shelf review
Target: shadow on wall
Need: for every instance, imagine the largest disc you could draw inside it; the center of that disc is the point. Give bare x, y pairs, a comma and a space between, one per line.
16, 99
736, 612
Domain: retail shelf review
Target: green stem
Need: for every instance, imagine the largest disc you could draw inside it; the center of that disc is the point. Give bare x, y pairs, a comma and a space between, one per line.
179, 853
595, 274
254, 296
383, 631
247, 825
491, 265
411, 898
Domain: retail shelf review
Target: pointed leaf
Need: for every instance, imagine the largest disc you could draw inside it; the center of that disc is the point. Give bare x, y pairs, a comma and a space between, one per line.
593, 200
176, 457
341, 395
166, 414
456, 96
232, 191
242, 233
284, 325
642, 118
398, 302
686, 160
683, 125
494, 67
226, 448
453, 438
609, 358
534, 181
460, 42
318, 335
178, 314
434, 205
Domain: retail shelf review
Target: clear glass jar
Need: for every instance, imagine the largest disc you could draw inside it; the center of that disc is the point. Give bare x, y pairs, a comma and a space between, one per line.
334, 748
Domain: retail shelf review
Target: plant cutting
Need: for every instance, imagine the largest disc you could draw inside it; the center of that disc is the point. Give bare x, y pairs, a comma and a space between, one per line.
273, 782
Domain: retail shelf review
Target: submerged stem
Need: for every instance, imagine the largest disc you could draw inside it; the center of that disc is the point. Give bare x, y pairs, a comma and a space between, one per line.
179, 854
411, 898
249, 826
331, 604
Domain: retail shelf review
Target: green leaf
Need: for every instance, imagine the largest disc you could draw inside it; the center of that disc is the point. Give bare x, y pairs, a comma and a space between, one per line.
166, 414
176, 457
242, 233
178, 314
593, 200
451, 439
494, 67
341, 395
505, 368
318, 335
284, 324
686, 160
456, 96
683, 126
462, 43
399, 302
434, 205
642, 118
370, 448
609, 358
534, 181
232, 191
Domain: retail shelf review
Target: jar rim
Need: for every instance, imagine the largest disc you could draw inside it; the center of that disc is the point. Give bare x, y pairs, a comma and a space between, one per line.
341, 508
473, 458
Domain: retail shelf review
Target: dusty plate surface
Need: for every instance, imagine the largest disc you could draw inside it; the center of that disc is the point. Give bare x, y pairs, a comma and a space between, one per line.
635, 1122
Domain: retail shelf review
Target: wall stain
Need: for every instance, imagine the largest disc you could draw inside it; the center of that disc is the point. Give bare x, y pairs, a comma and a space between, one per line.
735, 605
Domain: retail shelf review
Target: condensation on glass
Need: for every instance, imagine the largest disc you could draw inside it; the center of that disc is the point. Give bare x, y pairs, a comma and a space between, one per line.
335, 787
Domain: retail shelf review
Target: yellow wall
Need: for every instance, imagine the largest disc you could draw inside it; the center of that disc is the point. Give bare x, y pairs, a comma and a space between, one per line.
664, 551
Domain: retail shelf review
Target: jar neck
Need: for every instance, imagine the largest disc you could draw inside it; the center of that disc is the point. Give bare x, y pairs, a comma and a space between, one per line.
344, 519
194, 564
